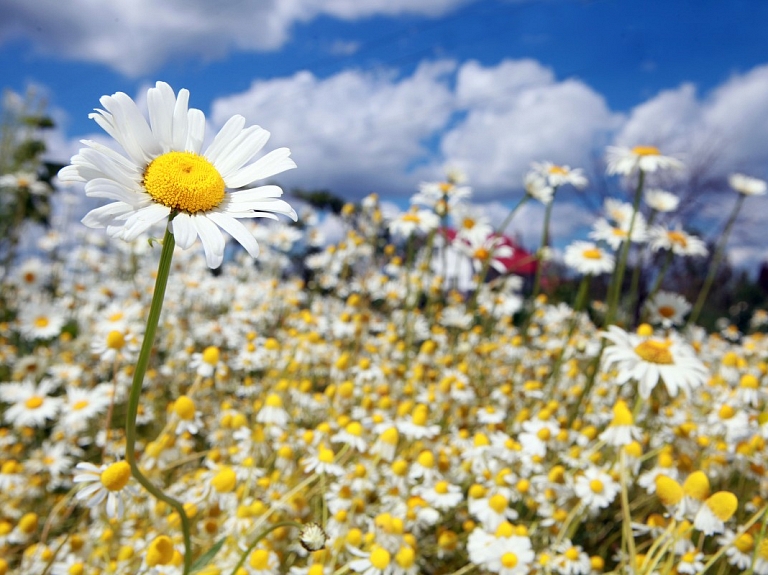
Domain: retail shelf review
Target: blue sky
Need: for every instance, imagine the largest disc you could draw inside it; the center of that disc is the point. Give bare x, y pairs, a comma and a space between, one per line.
378, 95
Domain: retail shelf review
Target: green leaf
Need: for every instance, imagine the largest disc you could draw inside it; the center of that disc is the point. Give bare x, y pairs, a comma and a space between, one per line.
206, 557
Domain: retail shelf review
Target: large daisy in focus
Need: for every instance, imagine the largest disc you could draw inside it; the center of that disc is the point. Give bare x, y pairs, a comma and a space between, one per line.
167, 175
650, 359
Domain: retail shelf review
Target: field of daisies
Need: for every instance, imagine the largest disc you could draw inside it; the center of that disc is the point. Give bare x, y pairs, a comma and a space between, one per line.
200, 385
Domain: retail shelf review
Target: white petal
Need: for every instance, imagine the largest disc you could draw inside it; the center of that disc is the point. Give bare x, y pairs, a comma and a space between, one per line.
184, 231
104, 188
237, 231
134, 133
143, 219
195, 131
105, 215
160, 101
275, 162
229, 131
213, 241
180, 121
241, 150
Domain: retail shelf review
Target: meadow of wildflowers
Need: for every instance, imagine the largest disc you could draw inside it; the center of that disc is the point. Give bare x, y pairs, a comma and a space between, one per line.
399, 402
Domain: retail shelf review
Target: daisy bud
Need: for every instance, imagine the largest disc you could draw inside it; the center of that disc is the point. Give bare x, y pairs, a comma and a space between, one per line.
312, 537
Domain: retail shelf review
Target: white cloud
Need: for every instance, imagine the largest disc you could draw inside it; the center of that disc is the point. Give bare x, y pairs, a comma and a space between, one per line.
137, 36
722, 131
516, 113
355, 132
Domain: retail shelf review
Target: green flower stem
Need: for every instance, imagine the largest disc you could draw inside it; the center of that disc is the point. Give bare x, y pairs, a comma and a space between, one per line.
635, 284
618, 276
161, 282
266, 531
716, 259
660, 276
511, 214
544, 245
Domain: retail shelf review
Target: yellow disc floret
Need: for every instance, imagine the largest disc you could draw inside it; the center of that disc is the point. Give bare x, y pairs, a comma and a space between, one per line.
116, 476
184, 181
160, 551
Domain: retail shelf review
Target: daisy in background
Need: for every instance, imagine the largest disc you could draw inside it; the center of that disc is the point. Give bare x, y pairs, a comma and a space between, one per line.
661, 200
626, 161
166, 175
557, 176
484, 250
40, 321
667, 309
746, 185
649, 359
30, 403
414, 221
678, 241
443, 196
26, 181
588, 259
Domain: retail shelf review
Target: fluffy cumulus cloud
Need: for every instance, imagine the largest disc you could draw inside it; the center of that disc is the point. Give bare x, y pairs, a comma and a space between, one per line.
354, 132
137, 36
722, 128
516, 113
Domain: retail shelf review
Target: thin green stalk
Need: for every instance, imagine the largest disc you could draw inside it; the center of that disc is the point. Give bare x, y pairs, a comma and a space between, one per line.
618, 276
511, 214
142, 363
716, 259
635, 284
544, 245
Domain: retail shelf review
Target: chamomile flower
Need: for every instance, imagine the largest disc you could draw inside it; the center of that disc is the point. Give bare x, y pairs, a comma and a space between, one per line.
588, 258
596, 489
678, 241
414, 221
667, 309
107, 482
716, 510
31, 404
41, 321
625, 161
648, 360
661, 200
166, 175
747, 185
557, 176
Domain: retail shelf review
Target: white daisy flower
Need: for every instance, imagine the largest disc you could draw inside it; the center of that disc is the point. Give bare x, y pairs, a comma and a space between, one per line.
648, 360
680, 242
596, 489
557, 176
108, 482
646, 158
588, 258
32, 406
667, 309
661, 200
747, 185
167, 176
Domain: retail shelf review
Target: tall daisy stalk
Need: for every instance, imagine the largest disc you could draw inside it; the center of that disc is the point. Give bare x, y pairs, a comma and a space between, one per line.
168, 178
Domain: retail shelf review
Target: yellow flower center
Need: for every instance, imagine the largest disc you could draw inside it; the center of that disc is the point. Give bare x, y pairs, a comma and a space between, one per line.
354, 428
557, 170
621, 414
666, 311
592, 254
225, 480
744, 543
273, 400
34, 402
184, 408
697, 486
723, 505
468, 223
655, 351
117, 316
78, 405
481, 254
405, 557
28, 523
677, 238
259, 559
390, 436
749, 381
160, 551
498, 503
668, 490
441, 487
115, 340
325, 455
76, 569
41, 321
184, 181
116, 476
211, 355
596, 486
412, 217
380, 558
646, 151
572, 554
509, 560
426, 459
